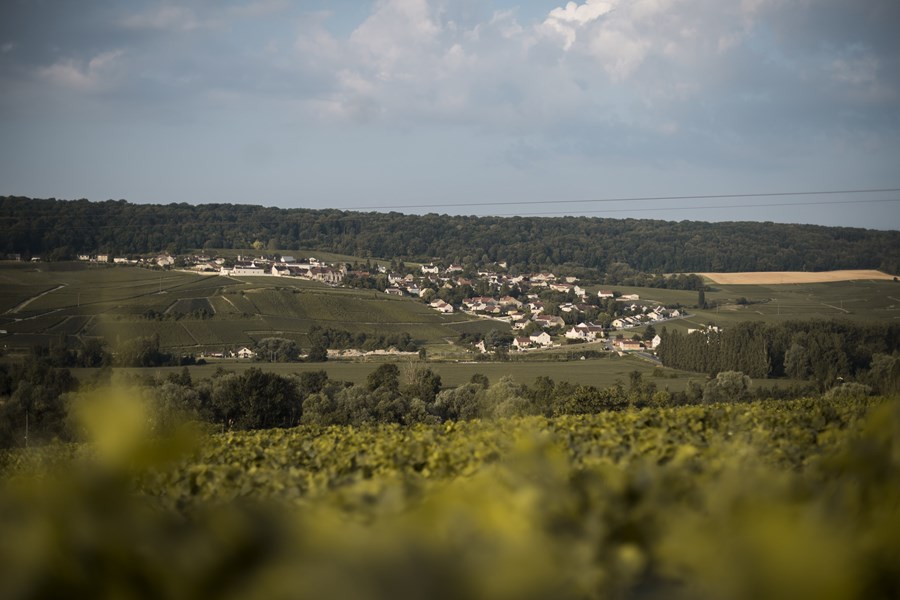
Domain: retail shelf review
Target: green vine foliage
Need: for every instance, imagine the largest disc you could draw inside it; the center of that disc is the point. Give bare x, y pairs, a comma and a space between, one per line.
766, 499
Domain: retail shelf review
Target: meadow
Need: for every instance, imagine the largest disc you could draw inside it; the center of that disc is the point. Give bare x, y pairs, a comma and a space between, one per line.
598, 372
869, 301
45, 301
49, 300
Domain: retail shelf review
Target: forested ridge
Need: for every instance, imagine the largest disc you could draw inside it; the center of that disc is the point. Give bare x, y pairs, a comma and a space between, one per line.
54, 228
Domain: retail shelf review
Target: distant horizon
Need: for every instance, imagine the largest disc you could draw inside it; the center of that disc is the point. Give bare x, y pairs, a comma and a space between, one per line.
613, 214
356, 104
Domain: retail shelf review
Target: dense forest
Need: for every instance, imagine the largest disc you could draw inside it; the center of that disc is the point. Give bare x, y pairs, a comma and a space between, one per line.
57, 229
824, 351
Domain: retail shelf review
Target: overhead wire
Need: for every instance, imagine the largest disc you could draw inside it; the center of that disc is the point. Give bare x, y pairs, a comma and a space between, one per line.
625, 199
560, 212
683, 208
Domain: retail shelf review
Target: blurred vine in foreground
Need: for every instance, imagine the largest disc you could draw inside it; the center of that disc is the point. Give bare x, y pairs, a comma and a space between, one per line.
775, 499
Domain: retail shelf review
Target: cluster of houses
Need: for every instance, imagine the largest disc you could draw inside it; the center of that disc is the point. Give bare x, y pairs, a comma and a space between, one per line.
106, 258
644, 315
430, 275
533, 341
288, 266
526, 307
623, 344
513, 299
242, 352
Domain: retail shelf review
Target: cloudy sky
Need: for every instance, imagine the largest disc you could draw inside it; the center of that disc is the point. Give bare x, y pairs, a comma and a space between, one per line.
462, 107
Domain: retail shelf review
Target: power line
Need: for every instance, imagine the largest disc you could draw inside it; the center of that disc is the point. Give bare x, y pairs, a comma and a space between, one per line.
716, 206
627, 199
267, 223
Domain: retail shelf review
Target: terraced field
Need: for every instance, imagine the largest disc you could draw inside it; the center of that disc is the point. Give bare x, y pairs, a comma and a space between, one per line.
41, 302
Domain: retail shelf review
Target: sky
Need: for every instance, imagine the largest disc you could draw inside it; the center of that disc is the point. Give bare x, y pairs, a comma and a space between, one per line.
503, 107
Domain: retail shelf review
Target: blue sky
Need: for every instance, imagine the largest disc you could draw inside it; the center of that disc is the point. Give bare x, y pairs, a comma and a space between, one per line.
455, 107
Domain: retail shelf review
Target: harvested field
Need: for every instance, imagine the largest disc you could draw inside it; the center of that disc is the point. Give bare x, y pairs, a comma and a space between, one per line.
775, 277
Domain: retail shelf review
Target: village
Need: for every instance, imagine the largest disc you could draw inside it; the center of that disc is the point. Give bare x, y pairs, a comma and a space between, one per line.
540, 310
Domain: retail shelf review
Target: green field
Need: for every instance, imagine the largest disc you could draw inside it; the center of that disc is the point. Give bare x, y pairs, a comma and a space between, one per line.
39, 303
46, 301
601, 373
865, 301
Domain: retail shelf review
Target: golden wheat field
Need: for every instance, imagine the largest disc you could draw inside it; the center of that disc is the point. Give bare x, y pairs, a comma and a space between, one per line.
774, 277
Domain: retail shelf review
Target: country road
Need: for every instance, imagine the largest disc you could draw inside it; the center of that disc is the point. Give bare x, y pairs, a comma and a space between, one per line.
21, 306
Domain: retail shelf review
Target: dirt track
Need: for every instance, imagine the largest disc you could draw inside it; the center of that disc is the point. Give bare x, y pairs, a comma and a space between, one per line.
772, 277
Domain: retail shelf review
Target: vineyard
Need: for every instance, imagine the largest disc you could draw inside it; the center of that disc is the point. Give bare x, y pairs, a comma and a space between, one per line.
772, 499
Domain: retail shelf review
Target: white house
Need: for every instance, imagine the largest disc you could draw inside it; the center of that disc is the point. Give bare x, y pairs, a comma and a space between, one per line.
326, 274
541, 339
430, 269
245, 353
247, 270
510, 301
628, 345
585, 331
561, 287
441, 306
576, 333
521, 343
655, 341
549, 321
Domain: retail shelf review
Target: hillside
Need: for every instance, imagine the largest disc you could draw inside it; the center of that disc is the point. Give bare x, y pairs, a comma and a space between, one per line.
61, 228
192, 312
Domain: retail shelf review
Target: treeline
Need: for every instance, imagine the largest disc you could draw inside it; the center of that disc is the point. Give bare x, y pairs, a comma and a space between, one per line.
824, 351
341, 339
57, 229
94, 353
36, 398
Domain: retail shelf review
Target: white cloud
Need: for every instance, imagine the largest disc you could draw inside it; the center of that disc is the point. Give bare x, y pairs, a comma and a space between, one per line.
580, 14
393, 39
860, 70
566, 21
580, 73
81, 76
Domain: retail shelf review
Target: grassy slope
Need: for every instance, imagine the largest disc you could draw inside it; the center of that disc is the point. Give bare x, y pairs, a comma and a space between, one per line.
598, 372
110, 302
867, 301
